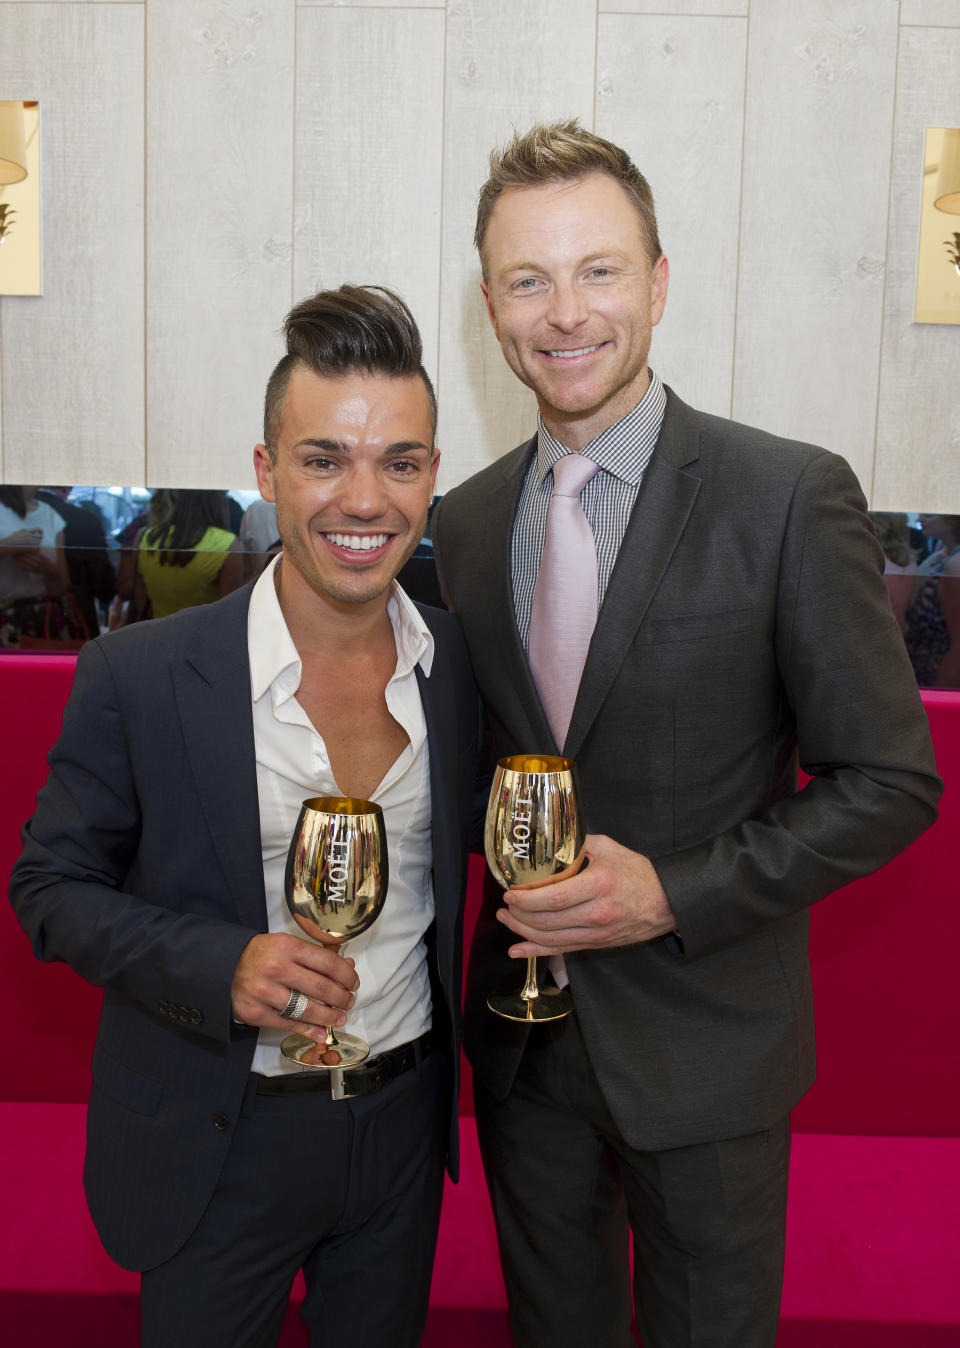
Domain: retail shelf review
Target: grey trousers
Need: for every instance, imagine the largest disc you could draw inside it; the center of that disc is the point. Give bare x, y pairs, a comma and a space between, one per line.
707, 1221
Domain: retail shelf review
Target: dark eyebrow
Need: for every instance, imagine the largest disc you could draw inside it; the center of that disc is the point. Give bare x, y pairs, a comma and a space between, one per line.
331, 446
406, 447
338, 447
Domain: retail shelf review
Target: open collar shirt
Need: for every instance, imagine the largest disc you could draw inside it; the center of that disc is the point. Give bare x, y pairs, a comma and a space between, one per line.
393, 1000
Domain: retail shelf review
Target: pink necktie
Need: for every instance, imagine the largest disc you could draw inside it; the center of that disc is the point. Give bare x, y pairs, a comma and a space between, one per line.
564, 609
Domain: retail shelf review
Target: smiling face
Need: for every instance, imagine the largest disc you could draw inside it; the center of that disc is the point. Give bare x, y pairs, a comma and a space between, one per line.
573, 299
352, 480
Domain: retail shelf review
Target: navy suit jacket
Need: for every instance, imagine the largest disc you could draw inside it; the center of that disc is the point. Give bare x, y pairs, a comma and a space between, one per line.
142, 869
746, 618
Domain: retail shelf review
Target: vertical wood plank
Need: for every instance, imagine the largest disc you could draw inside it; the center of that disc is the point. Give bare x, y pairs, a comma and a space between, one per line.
369, 152
816, 177
219, 230
918, 422
508, 64
670, 91
73, 357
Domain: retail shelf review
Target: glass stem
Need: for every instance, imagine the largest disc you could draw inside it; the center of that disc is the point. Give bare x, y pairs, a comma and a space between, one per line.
332, 1041
531, 991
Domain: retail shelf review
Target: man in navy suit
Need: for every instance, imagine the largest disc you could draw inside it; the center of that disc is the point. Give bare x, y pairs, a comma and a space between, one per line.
153, 865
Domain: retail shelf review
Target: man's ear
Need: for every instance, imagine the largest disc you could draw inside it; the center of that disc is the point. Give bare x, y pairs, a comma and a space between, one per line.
486, 299
659, 280
263, 467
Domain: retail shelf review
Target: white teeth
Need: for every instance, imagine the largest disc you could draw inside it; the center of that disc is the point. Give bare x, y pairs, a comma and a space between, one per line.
358, 542
581, 351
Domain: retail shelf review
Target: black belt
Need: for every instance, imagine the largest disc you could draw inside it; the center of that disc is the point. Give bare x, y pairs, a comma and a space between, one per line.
367, 1078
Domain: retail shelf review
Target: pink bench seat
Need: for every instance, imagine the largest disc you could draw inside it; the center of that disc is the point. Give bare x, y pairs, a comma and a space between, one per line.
873, 1254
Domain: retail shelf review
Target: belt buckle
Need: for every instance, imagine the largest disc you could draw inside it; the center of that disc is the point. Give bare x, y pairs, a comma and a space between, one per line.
345, 1081
341, 1085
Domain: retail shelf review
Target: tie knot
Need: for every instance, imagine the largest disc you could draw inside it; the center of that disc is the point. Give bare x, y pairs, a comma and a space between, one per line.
571, 474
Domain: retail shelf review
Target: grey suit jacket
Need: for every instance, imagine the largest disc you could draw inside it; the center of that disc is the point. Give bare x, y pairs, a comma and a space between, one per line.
142, 869
746, 616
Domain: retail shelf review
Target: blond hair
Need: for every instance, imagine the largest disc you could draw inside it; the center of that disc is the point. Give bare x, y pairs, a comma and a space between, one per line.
552, 152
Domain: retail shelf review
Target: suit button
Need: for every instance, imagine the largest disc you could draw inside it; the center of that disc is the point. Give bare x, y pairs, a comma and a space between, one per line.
164, 1007
221, 1122
183, 1014
196, 1017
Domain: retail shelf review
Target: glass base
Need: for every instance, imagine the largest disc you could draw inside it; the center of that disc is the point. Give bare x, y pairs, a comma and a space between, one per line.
552, 1004
351, 1048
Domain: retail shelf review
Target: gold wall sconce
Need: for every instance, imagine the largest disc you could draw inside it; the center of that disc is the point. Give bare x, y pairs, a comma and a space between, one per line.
19, 197
938, 262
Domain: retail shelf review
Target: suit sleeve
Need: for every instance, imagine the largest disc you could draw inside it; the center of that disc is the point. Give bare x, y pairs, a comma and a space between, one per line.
862, 735
76, 886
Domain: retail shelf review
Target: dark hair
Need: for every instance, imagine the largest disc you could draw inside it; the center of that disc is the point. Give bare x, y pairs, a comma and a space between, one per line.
553, 152
182, 518
14, 499
366, 328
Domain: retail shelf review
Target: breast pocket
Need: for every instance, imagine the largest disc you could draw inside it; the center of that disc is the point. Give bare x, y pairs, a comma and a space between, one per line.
696, 626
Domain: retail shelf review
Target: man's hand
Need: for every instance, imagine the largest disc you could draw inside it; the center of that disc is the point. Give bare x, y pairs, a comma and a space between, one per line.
274, 964
616, 900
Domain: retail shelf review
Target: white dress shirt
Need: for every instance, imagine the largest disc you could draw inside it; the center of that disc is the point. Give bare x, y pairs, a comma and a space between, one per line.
393, 1000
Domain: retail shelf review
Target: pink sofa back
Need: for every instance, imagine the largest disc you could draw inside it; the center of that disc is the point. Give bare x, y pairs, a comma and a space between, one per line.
883, 953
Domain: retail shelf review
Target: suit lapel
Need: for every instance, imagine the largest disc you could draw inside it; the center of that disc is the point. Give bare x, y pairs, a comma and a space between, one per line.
212, 690
663, 506
436, 697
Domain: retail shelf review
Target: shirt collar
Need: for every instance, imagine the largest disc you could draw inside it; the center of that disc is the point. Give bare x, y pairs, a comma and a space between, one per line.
616, 448
274, 657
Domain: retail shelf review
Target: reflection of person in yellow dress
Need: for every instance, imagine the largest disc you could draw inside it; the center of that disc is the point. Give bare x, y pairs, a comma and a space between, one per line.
187, 556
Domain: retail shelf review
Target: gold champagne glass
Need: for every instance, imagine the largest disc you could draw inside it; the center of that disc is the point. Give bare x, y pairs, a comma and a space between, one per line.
534, 829
335, 884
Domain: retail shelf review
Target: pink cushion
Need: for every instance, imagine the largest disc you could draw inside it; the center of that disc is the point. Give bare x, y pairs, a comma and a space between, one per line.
871, 1236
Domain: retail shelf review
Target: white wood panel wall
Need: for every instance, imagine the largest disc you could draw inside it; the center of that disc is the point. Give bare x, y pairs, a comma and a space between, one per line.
820, 95
919, 403
219, 226
670, 91
369, 150
208, 162
73, 360
508, 62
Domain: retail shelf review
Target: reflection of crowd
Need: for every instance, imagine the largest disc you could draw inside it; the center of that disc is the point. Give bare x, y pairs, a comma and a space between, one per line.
62, 580
925, 595
33, 573
933, 615
191, 547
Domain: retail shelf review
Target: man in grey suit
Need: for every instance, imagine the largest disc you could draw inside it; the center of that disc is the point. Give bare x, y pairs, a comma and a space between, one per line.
154, 866
741, 619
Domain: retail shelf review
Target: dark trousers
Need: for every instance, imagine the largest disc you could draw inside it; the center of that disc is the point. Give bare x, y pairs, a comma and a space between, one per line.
708, 1221
347, 1190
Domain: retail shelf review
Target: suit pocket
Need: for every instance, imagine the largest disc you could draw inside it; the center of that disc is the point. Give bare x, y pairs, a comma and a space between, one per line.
695, 626
124, 1085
